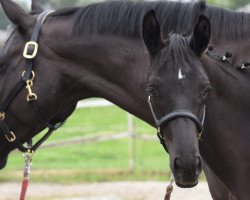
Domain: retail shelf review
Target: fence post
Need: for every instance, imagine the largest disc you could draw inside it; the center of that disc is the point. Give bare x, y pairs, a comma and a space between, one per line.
132, 138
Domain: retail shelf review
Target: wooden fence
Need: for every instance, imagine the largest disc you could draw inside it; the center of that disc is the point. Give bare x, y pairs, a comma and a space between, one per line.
130, 133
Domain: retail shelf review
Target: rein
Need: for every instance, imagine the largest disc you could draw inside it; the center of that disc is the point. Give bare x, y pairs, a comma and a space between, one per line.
27, 80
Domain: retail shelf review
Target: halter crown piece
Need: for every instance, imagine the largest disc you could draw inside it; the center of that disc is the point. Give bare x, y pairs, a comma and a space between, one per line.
27, 80
174, 115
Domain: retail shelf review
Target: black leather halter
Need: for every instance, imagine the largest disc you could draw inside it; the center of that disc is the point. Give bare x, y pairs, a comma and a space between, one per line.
174, 115
30, 52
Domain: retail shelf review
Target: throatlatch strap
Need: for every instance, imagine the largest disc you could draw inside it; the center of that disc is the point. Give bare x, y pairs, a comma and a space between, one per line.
52, 128
40, 115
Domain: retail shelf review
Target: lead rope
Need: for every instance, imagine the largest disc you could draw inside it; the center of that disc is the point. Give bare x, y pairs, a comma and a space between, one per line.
169, 189
26, 174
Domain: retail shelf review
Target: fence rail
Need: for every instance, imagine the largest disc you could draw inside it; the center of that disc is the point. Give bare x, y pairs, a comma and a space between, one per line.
97, 138
87, 140
130, 133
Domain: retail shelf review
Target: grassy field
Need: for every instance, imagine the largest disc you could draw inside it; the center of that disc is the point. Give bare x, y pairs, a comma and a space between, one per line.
102, 161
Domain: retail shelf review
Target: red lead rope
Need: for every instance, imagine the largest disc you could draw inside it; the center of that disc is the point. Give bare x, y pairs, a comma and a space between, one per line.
26, 173
24, 189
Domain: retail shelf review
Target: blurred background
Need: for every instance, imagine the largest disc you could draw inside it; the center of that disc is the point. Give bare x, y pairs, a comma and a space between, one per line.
100, 142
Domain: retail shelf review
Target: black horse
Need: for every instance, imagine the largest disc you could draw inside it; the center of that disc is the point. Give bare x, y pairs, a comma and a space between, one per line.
184, 77
91, 51
97, 52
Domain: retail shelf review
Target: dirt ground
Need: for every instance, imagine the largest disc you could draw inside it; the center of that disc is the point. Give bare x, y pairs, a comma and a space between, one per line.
104, 191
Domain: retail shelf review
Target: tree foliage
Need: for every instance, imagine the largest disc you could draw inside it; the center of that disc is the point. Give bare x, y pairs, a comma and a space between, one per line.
232, 4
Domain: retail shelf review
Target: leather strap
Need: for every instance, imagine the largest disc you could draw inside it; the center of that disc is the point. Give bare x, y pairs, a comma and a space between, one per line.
180, 114
162, 141
174, 115
29, 64
12, 95
34, 38
33, 102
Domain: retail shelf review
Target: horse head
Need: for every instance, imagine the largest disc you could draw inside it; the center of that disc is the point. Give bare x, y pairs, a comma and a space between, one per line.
177, 89
26, 54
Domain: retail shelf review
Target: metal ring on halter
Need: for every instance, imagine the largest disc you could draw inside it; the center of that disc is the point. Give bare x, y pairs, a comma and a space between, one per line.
12, 137
32, 77
2, 116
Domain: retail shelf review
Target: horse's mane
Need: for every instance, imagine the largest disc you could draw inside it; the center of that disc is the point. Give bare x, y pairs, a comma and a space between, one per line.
228, 24
125, 17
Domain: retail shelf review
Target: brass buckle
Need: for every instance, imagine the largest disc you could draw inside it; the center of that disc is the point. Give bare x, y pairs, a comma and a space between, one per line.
12, 137
31, 44
2, 116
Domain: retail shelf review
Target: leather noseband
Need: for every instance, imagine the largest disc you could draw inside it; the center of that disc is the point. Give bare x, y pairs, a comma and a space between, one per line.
174, 115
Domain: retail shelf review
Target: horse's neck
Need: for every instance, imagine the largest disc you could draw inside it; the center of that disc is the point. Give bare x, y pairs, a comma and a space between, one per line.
111, 68
227, 122
229, 85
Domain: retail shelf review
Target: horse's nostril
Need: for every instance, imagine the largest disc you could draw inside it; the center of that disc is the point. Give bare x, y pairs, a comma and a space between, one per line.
177, 165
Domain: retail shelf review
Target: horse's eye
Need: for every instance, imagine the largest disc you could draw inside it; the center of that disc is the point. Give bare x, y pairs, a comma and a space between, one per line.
205, 91
152, 92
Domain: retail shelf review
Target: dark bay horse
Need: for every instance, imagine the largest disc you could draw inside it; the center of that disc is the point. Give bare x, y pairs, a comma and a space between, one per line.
185, 75
97, 53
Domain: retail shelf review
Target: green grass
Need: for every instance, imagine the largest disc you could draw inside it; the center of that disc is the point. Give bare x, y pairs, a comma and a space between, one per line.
102, 161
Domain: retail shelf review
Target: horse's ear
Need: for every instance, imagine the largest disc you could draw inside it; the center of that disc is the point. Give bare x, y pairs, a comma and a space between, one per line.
16, 14
36, 6
201, 35
151, 32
